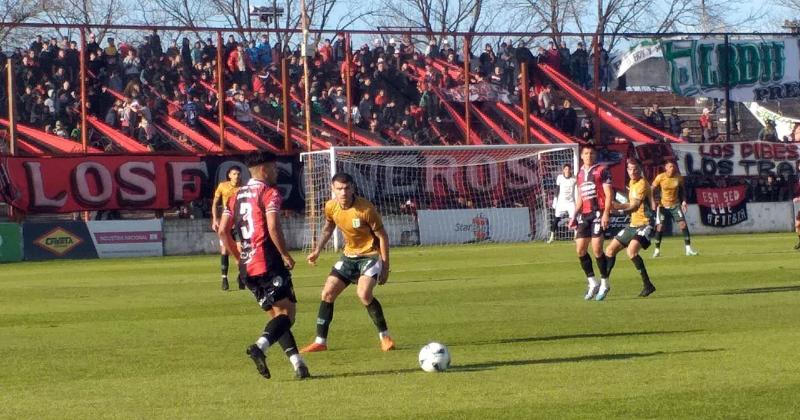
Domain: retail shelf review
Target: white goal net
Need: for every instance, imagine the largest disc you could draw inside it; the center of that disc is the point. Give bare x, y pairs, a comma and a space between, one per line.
444, 194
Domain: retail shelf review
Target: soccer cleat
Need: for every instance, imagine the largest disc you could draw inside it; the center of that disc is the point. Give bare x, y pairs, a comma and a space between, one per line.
591, 292
314, 347
241, 283
647, 290
691, 253
601, 295
657, 253
797, 246
551, 238
225, 283
387, 343
302, 372
260, 359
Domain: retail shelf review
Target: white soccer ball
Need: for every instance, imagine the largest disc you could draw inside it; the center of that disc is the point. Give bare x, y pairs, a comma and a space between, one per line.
434, 357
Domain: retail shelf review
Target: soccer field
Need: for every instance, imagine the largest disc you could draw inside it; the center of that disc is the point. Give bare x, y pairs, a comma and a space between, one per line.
156, 338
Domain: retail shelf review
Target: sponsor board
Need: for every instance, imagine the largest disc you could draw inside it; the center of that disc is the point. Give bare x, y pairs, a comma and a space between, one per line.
127, 238
474, 225
47, 241
10, 242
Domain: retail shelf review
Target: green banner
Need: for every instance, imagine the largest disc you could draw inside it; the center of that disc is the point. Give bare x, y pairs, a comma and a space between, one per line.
10, 242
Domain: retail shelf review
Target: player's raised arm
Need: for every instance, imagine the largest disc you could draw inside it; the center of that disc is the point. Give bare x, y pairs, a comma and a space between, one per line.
630, 206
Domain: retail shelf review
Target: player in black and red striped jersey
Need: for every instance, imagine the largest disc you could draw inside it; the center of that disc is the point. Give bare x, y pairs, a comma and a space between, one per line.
592, 206
254, 213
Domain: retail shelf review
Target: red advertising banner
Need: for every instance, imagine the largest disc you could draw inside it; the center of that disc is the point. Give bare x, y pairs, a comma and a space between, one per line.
68, 184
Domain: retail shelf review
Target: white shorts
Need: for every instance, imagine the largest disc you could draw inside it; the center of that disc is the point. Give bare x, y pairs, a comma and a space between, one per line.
565, 209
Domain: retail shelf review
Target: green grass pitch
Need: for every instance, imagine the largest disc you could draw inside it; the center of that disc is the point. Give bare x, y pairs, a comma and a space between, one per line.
156, 338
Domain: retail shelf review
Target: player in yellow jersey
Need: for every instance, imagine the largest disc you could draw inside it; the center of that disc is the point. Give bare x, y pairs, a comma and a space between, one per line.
225, 190
364, 262
672, 205
637, 235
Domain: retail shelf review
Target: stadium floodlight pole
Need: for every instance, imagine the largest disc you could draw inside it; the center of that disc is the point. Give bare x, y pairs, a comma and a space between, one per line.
467, 121
220, 94
12, 117
83, 77
285, 101
348, 56
523, 96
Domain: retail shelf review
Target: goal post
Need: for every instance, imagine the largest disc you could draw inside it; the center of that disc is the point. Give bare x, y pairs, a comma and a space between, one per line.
429, 195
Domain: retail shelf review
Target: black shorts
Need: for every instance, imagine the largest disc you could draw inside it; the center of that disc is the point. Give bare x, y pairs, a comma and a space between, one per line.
270, 288
589, 225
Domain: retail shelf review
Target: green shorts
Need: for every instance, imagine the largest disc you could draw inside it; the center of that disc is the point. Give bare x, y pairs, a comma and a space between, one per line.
640, 233
673, 213
349, 269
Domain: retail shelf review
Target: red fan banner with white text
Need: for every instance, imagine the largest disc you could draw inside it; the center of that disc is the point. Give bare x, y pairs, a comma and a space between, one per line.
68, 184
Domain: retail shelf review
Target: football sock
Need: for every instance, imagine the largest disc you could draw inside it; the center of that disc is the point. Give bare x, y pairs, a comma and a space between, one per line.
686, 239
263, 344
375, 312
639, 264
553, 224
288, 344
601, 264
276, 327
382, 334
295, 360
324, 319
586, 265
223, 261
658, 239
592, 282
289, 347
610, 261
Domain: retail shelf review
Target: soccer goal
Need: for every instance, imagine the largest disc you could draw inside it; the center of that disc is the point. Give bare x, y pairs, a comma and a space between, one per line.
430, 195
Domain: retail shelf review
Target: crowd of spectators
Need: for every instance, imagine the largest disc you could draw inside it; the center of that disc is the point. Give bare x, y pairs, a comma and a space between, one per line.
130, 87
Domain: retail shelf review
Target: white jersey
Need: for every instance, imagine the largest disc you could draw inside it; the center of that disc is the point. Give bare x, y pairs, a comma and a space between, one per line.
565, 200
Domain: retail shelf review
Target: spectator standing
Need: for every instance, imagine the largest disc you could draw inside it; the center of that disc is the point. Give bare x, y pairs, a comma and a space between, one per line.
675, 123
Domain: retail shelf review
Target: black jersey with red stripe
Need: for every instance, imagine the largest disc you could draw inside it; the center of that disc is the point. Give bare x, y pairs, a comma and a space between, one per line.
590, 187
250, 207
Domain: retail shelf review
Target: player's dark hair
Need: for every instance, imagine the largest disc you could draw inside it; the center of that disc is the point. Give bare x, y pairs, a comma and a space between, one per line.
231, 169
567, 165
633, 161
259, 158
342, 177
